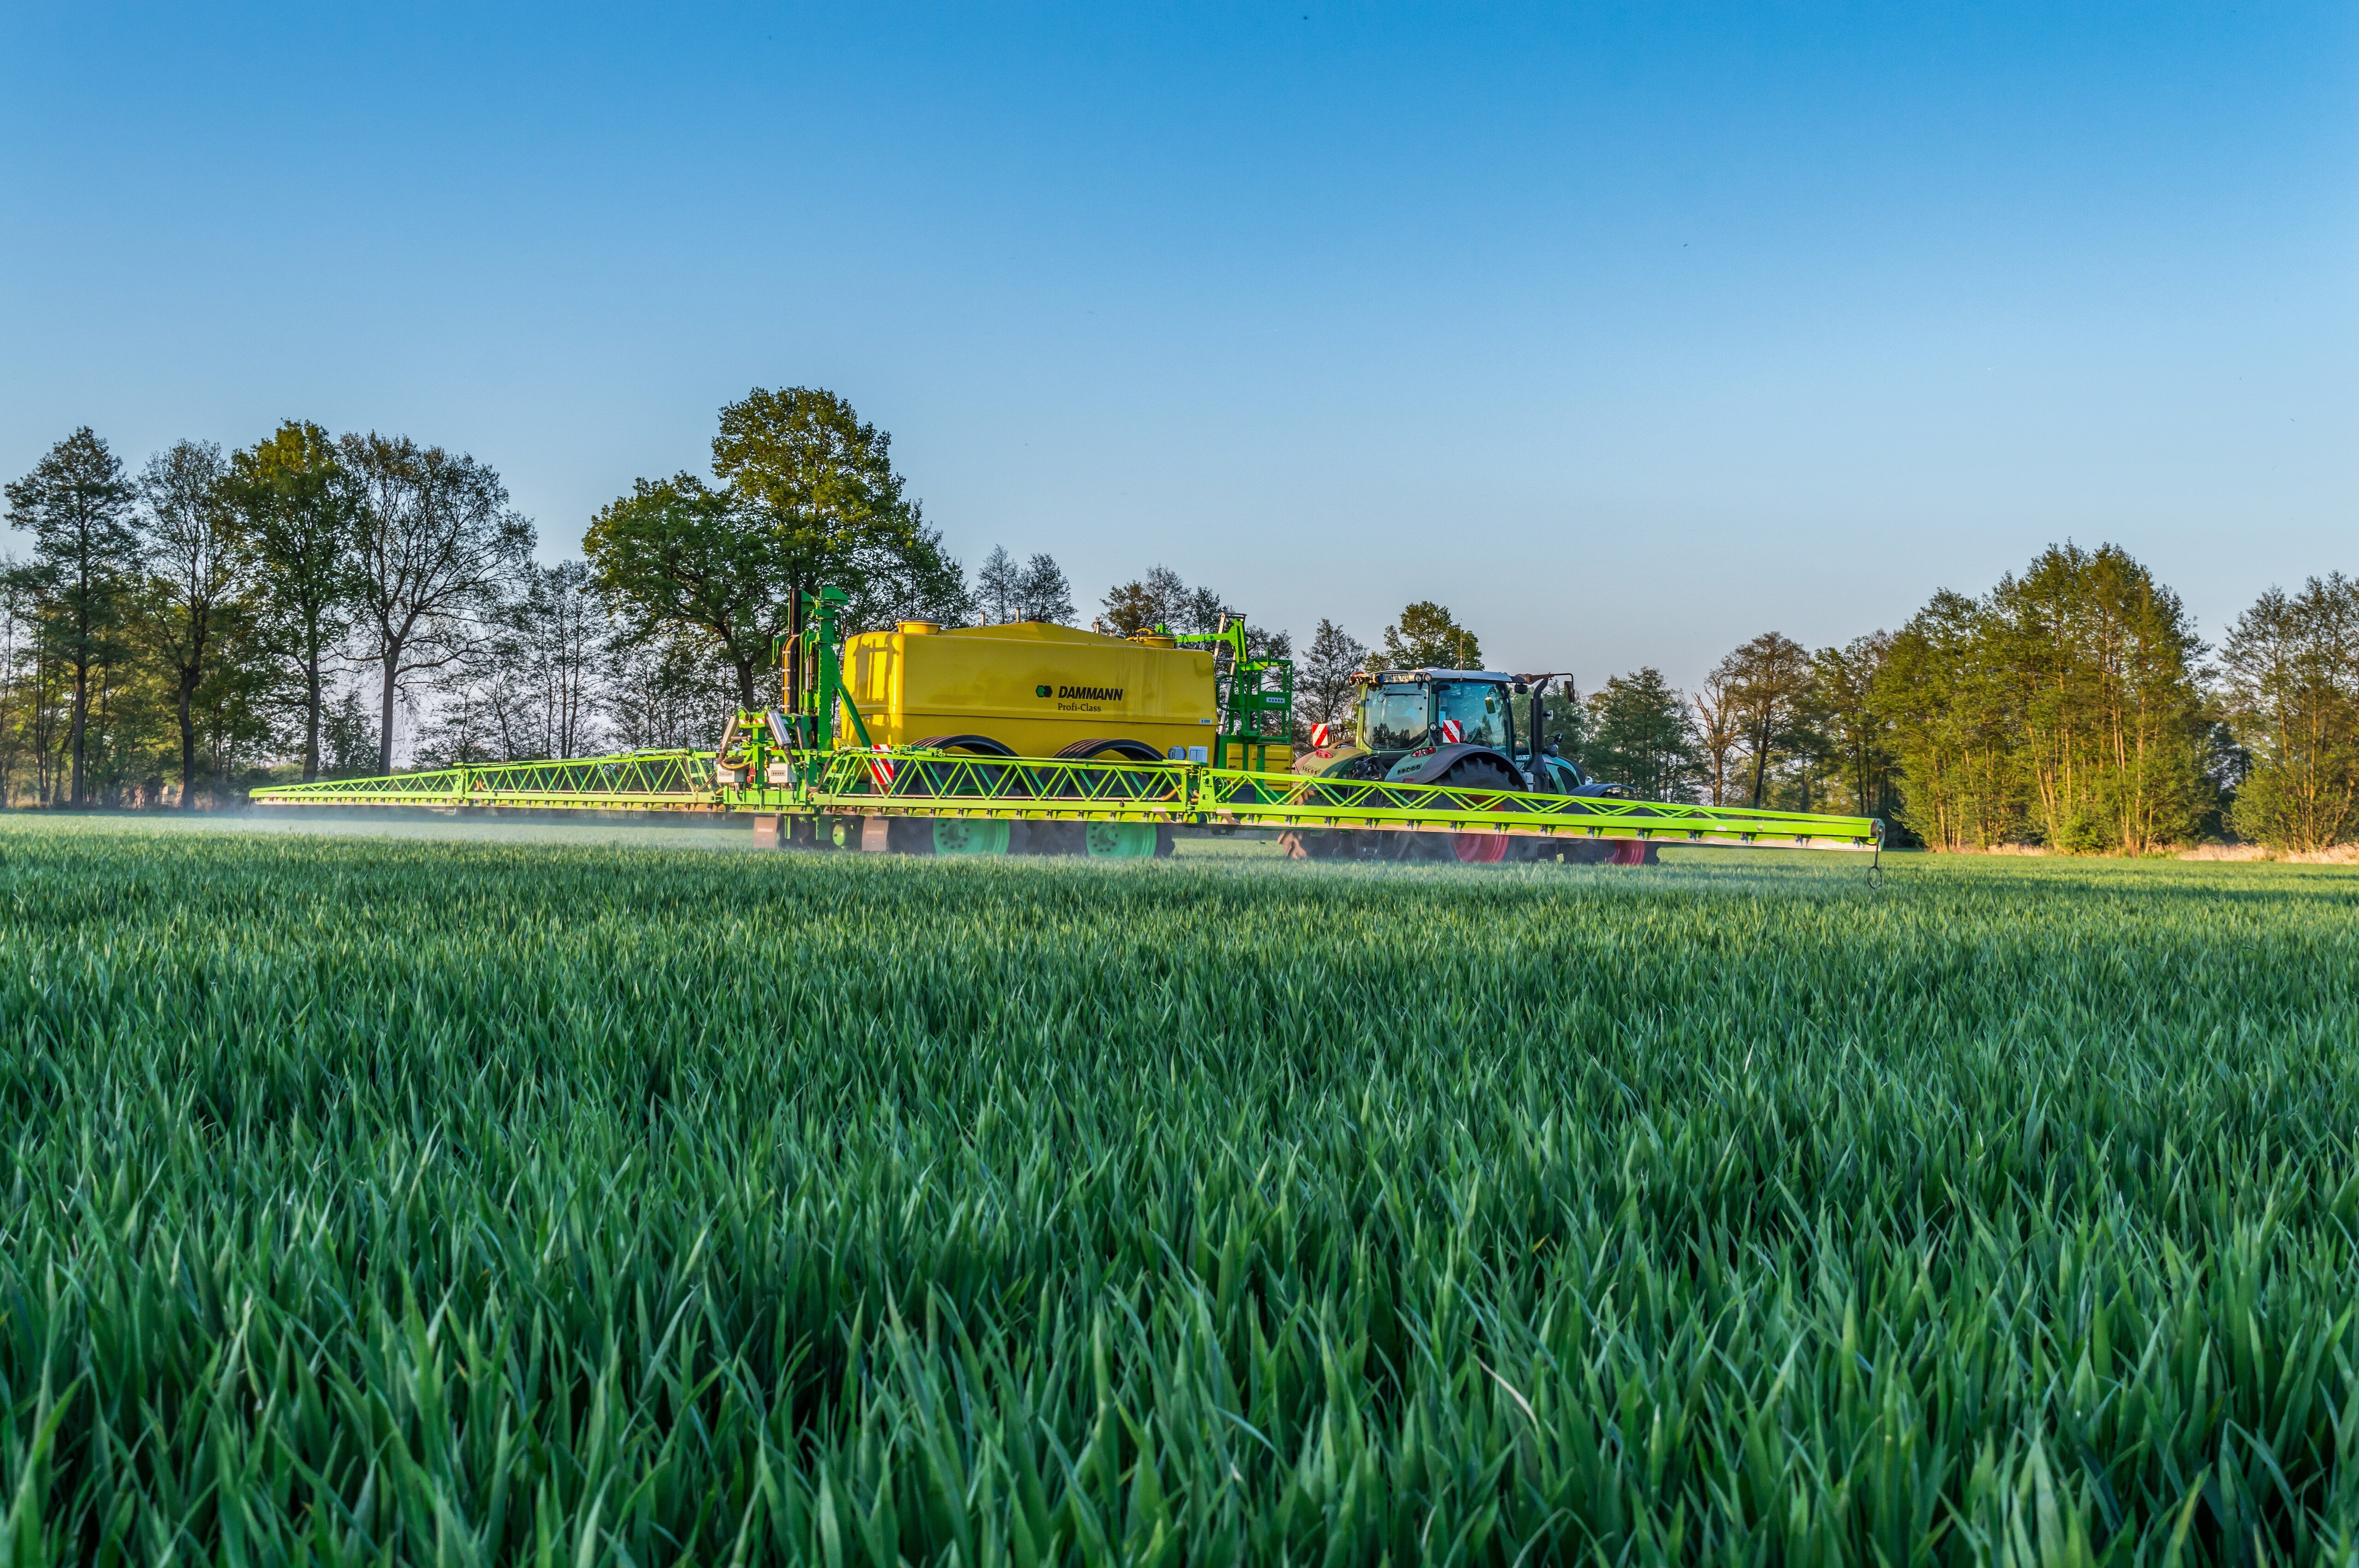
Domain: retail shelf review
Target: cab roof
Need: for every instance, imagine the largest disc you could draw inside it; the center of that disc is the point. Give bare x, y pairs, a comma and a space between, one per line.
1380, 677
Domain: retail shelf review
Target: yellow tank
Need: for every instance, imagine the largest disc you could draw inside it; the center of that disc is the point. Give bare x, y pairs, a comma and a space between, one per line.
1035, 688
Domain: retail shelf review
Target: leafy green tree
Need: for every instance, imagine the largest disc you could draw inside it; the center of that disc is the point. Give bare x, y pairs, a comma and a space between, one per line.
809, 499
293, 505
198, 568
1162, 598
2290, 692
1942, 696
77, 504
2102, 660
1641, 735
1839, 708
819, 482
1565, 722
348, 737
1427, 638
1043, 591
680, 555
435, 545
2063, 706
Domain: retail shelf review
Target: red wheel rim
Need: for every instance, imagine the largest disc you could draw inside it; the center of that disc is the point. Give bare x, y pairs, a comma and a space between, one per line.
1480, 849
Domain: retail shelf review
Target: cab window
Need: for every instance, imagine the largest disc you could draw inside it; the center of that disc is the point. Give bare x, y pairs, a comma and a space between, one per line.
1395, 717
1480, 710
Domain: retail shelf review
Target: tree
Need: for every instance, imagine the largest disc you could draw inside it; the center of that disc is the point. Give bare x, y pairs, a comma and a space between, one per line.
2062, 705
807, 471
1718, 731
2099, 664
1322, 683
1843, 681
1162, 598
558, 638
1946, 713
666, 690
2290, 692
348, 737
809, 500
1042, 593
1565, 722
434, 544
198, 567
1427, 638
531, 682
77, 502
19, 686
293, 505
1641, 736
679, 555
1766, 681
999, 587
1142, 603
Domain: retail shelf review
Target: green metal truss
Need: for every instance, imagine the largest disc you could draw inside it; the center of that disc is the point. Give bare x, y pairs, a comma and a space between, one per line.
633, 781
940, 784
957, 784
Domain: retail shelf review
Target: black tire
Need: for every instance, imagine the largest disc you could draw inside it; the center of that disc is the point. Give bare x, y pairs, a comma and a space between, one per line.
1129, 750
1108, 749
940, 778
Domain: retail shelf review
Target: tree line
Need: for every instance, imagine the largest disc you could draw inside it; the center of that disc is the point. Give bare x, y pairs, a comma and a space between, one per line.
218, 619
2072, 706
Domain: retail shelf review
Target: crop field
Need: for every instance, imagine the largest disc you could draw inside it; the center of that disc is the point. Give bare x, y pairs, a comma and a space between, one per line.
390, 1198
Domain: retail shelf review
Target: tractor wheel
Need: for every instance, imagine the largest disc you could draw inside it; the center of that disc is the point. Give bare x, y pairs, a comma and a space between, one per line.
1482, 773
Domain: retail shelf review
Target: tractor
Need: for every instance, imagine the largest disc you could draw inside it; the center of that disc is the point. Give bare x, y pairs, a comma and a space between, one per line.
1457, 728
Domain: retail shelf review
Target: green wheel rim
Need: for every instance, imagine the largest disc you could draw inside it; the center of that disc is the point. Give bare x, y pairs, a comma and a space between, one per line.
957, 835
1122, 840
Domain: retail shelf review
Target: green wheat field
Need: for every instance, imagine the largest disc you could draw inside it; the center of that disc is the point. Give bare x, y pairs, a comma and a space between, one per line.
595, 1197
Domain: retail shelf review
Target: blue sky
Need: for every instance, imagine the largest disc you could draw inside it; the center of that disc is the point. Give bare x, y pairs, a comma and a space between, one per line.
1625, 332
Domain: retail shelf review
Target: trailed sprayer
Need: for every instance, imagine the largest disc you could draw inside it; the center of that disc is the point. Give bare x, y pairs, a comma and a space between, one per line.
1038, 739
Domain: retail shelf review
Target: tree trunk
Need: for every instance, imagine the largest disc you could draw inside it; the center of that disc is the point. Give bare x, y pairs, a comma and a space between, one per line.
81, 724
188, 741
311, 720
745, 684
384, 711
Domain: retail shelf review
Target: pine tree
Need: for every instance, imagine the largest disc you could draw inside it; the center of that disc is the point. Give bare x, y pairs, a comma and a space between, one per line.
1322, 683
86, 565
1042, 593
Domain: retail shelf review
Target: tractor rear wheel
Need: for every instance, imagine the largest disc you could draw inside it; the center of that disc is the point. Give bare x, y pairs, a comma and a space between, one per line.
1481, 773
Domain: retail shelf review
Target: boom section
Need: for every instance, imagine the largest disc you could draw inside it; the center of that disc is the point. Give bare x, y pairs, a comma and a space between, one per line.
917, 783
632, 780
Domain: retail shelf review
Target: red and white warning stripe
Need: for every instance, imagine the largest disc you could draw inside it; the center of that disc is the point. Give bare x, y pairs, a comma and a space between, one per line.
882, 771
1318, 735
1453, 731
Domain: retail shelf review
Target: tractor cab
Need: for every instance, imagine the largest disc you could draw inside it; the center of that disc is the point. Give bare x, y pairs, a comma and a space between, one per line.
1436, 726
1407, 710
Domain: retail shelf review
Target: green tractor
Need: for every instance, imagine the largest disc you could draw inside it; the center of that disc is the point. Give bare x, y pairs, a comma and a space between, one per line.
1453, 728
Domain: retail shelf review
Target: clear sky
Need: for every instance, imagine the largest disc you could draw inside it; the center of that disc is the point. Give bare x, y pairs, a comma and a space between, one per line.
1625, 332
